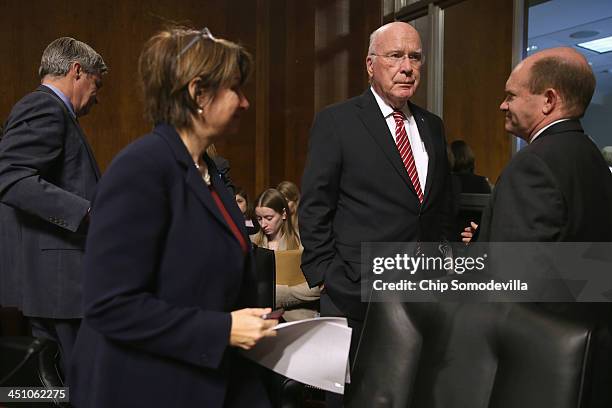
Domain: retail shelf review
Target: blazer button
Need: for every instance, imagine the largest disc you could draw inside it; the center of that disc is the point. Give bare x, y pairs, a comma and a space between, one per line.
204, 357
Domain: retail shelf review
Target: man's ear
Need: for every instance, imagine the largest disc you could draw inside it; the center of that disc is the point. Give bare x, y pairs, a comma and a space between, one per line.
369, 67
77, 69
551, 102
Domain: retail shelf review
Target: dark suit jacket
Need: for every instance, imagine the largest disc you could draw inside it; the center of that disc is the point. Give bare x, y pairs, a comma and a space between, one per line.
559, 189
47, 177
162, 272
556, 189
356, 189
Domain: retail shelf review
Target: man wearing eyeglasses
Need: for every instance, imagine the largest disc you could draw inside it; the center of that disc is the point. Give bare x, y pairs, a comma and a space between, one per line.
377, 171
47, 178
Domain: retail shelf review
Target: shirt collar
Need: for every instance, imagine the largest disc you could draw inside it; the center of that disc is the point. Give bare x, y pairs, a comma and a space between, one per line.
539, 132
388, 110
63, 97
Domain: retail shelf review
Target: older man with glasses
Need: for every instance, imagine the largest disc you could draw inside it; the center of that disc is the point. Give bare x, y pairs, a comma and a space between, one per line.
47, 178
376, 172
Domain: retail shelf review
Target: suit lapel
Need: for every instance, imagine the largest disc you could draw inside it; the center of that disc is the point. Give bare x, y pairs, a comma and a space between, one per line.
193, 178
371, 117
425, 133
92, 159
227, 199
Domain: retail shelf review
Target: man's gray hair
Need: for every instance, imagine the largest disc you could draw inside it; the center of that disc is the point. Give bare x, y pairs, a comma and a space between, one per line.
59, 56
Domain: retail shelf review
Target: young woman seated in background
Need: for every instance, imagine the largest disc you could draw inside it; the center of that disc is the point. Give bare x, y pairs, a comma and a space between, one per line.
277, 233
291, 192
242, 200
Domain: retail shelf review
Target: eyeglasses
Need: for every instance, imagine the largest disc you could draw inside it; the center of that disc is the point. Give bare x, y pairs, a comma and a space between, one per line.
200, 35
396, 58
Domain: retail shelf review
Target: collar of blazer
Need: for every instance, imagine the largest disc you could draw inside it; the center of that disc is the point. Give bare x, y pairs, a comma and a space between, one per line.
193, 178
571, 125
373, 120
92, 159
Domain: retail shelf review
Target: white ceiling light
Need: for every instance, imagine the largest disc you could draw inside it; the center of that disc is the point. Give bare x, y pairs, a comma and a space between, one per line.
600, 46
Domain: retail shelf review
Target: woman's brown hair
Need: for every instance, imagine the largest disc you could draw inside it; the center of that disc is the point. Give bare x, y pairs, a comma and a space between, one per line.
172, 58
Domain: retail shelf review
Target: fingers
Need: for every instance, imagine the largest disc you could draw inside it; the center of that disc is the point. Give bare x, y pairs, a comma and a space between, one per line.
257, 311
474, 225
467, 235
246, 345
268, 324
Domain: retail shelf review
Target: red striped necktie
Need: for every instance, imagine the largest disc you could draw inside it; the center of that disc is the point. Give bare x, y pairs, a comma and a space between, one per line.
405, 151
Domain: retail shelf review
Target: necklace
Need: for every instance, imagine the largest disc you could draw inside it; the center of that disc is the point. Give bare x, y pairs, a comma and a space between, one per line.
204, 173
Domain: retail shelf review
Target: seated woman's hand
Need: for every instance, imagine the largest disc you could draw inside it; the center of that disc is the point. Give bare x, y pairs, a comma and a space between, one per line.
248, 327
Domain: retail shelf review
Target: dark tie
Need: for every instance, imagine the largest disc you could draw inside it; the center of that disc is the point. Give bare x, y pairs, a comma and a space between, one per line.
405, 151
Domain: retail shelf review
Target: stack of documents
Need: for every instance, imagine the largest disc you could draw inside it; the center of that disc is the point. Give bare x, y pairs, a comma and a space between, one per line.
311, 351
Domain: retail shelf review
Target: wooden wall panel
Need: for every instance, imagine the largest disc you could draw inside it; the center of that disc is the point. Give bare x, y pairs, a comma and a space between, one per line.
117, 30
304, 39
271, 145
477, 62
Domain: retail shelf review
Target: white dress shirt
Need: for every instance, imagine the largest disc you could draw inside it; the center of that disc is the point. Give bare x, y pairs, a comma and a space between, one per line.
421, 158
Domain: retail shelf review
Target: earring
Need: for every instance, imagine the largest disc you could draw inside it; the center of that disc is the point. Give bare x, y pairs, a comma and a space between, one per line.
200, 111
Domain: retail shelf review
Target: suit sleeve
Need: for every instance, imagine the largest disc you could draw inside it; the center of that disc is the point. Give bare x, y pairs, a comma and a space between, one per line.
125, 245
320, 185
529, 207
31, 149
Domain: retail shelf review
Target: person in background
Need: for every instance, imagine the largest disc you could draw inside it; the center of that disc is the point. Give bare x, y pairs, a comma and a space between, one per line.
48, 175
292, 195
168, 271
242, 200
463, 169
277, 233
464, 180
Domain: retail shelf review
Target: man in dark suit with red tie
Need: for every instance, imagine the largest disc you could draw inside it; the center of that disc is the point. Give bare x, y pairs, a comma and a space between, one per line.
47, 178
377, 171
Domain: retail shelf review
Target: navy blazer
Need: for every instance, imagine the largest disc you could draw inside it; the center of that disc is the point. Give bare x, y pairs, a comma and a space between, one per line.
162, 272
48, 175
356, 189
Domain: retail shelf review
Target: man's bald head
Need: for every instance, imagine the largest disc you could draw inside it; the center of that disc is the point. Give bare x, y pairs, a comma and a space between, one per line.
565, 70
390, 28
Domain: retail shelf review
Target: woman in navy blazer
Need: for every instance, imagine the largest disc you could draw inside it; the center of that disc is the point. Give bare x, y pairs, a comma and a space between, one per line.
168, 267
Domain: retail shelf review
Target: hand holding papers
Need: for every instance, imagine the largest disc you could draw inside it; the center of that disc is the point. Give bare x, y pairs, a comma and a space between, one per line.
311, 351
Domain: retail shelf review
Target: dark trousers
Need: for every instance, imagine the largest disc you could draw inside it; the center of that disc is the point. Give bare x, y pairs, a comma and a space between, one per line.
329, 309
61, 331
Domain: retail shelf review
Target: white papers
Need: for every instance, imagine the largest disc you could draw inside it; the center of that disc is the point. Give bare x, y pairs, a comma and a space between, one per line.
311, 351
